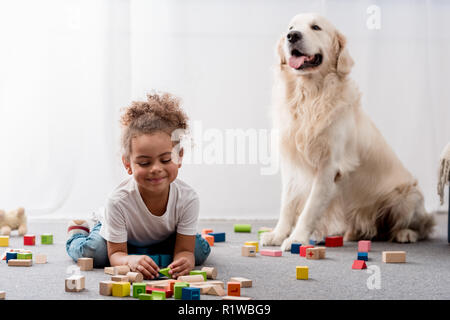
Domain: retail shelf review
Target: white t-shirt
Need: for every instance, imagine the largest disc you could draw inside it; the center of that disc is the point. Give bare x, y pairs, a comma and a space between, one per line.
127, 218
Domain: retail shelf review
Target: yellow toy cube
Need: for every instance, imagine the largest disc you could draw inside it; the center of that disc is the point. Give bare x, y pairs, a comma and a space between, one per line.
302, 272
121, 289
252, 243
4, 241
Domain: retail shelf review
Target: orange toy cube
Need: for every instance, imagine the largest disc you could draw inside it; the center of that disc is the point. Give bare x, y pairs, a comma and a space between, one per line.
234, 288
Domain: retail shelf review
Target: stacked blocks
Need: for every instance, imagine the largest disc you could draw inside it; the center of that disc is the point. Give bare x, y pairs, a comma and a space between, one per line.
303, 250
295, 248
24, 256
218, 236
253, 243
337, 241
363, 256
188, 293
29, 240
302, 272
195, 272
364, 245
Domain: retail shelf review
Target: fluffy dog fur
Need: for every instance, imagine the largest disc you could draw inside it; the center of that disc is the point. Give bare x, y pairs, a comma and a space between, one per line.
339, 176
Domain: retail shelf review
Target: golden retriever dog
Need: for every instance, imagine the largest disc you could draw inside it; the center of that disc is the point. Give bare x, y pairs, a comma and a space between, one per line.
339, 175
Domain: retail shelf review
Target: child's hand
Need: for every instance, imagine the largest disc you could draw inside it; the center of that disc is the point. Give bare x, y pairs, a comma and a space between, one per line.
144, 265
180, 267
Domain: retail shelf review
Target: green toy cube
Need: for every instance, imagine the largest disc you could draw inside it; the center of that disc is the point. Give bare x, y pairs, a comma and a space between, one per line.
165, 271
145, 296
138, 288
178, 287
158, 295
47, 238
25, 256
195, 272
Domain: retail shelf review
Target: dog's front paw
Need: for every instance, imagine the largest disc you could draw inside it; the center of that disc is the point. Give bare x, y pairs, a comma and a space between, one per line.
406, 235
286, 246
271, 238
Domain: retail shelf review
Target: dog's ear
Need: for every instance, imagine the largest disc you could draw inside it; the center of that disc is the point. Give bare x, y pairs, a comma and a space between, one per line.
344, 61
280, 51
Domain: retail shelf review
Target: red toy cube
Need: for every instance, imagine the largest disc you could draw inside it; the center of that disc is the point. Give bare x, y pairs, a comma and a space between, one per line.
149, 290
364, 246
234, 288
29, 240
359, 264
303, 250
337, 241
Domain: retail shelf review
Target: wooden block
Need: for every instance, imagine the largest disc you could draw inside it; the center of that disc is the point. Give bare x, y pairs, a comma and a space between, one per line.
271, 253
105, 288
121, 270
46, 238
110, 270
165, 272
2, 295
209, 239
216, 290
135, 277
120, 278
313, 253
195, 278
178, 287
245, 283
121, 289
75, 283
24, 256
139, 288
303, 250
85, 264
167, 293
253, 243
364, 245
302, 272
10, 255
211, 273
236, 298
29, 240
248, 251
218, 236
234, 288
200, 272
359, 264
394, 256
159, 295
242, 228
145, 296
40, 259
363, 256
336, 241
322, 252
20, 263
295, 248
4, 241
189, 293
204, 287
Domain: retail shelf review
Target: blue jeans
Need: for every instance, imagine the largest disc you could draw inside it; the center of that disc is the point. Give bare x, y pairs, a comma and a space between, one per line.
94, 246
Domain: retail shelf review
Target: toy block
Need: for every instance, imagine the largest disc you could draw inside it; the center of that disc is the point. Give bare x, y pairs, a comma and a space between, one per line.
20, 263
85, 264
2, 295
167, 292
4, 241
218, 236
135, 277
248, 251
336, 241
253, 243
364, 245
234, 288
302, 272
195, 278
262, 230
242, 228
24, 256
40, 259
303, 250
165, 260
158, 295
121, 270
75, 283
209, 239
394, 256
189, 293
165, 272
206, 231
204, 287
145, 296
211, 273
236, 298
46, 238
216, 290
29, 240
105, 288
322, 252
312, 253
359, 264
271, 253
217, 283
171, 284
295, 248
363, 256
121, 289
178, 287
120, 278
245, 283
11, 255
195, 272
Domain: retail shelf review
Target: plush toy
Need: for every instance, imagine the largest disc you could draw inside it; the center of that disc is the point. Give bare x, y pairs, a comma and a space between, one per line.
13, 220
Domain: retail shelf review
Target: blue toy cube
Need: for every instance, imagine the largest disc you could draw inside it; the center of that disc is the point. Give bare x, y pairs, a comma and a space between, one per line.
218, 236
190, 293
11, 255
295, 248
363, 256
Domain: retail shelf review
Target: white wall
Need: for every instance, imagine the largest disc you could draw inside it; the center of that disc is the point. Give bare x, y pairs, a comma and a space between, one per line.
67, 68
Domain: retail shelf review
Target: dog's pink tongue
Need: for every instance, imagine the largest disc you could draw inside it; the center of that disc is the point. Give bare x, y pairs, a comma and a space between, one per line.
296, 62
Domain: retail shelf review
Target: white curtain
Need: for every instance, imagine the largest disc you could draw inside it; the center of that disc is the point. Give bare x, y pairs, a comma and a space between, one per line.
67, 67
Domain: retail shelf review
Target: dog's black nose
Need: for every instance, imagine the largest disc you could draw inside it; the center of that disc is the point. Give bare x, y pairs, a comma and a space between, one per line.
294, 36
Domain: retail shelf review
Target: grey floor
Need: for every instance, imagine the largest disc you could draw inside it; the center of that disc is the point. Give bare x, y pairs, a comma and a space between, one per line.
426, 275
